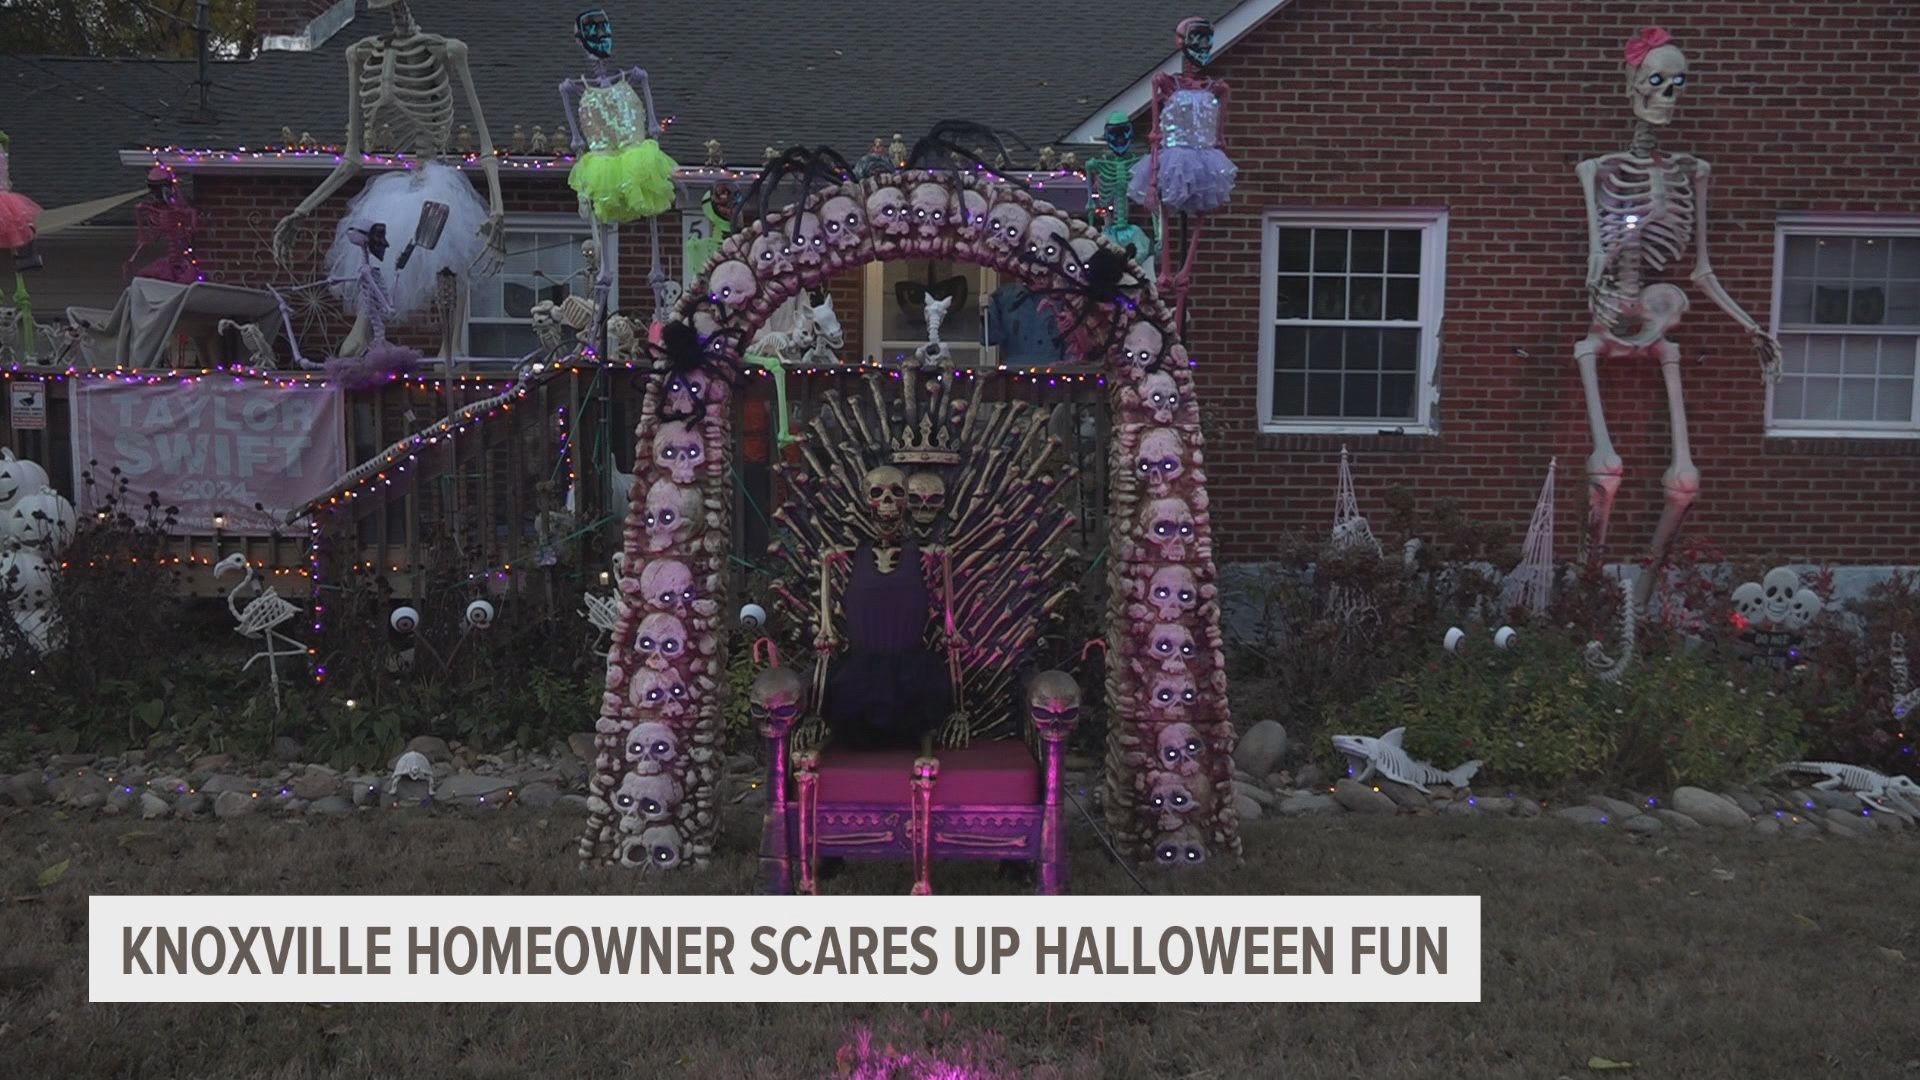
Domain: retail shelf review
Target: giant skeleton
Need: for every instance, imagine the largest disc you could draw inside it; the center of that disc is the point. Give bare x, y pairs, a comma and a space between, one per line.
1644, 208
401, 83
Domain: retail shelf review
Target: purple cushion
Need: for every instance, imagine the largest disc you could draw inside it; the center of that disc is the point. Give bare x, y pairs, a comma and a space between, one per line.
997, 773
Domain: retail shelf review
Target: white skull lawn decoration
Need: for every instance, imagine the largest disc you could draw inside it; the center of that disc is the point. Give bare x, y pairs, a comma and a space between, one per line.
657, 847
652, 747
1161, 459
1181, 847
929, 207
1171, 644
667, 585
1142, 346
674, 514
663, 640
1179, 748
1777, 589
1654, 86
888, 213
886, 489
665, 692
651, 798
1172, 797
18, 477
1168, 525
1173, 592
678, 450
413, 765
1171, 694
926, 497
1158, 393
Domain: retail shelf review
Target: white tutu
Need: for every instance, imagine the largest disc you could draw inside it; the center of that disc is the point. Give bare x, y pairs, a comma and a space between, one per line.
395, 199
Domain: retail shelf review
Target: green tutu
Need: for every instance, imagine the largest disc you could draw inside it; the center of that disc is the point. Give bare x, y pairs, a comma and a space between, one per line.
623, 185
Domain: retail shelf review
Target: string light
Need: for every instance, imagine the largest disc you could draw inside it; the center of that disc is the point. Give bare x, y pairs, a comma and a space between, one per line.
236, 373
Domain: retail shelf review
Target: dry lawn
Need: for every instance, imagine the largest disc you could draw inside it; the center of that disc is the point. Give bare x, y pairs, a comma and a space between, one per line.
1796, 959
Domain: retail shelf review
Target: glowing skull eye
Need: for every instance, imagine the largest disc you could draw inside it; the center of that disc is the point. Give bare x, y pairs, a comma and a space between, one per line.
1193, 853
1159, 800
693, 388
669, 647
1173, 753
1186, 648
1180, 800
646, 644
1186, 596
686, 595
666, 597
663, 854
1654, 79
679, 691
1193, 746
1169, 465
725, 291
668, 452
625, 800
1680, 79
853, 220
1163, 646
650, 807
692, 452
1189, 696
1169, 853
666, 517
1161, 592
652, 695
661, 748
1163, 695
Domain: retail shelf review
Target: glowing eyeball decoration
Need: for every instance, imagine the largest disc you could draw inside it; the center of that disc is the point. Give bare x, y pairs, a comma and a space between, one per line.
42, 520
753, 616
1455, 640
1503, 638
404, 620
18, 477
480, 614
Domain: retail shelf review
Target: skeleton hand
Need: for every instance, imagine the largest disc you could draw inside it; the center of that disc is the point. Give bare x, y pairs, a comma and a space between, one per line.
824, 643
956, 733
283, 235
494, 232
1768, 349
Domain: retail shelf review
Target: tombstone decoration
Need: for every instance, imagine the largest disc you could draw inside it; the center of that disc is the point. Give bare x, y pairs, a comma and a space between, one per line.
1771, 616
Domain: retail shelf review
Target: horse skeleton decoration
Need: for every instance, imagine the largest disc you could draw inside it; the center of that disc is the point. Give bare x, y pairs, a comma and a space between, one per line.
1645, 207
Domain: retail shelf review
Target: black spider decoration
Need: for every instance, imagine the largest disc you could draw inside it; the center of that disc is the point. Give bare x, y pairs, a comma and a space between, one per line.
961, 145
807, 168
691, 364
1102, 290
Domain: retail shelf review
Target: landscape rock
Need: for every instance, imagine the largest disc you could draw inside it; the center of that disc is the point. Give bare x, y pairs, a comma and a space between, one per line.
1498, 805
1842, 824
1676, 819
1710, 809
1583, 815
292, 806
331, 806
68, 762
1835, 800
1617, 809
286, 748
1402, 795
1360, 798
1746, 802
540, 794
1242, 789
363, 792
1310, 776
472, 787
1525, 807
24, 788
317, 782
191, 804
221, 783
120, 799
581, 743
1803, 801
433, 746
78, 787
1767, 826
232, 804
1245, 808
1803, 830
571, 806
207, 763
1261, 747
167, 786
1307, 802
1640, 824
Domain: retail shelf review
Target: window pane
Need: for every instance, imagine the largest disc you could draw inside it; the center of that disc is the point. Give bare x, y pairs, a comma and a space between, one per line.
904, 326
1869, 305
1823, 354
1296, 249
1289, 347
1895, 401
1290, 299
1363, 395
1869, 258
1796, 301
1326, 348
1897, 356
1861, 355
1905, 263
1289, 394
1800, 255
1856, 399
1369, 251
1323, 395
1363, 350
1400, 350
1903, 304
1830, 303
1823, 399
1789, 398
1396, 397
1403, 299
500, 339
1403, 251
1833, 257
1329, 297
1330, 250
1366, 297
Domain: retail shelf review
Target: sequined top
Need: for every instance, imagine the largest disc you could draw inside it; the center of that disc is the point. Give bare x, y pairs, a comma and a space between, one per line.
1190, 119
5, 183
612, 117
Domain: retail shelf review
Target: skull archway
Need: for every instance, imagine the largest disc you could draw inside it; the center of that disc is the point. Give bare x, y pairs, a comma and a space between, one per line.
1159, 528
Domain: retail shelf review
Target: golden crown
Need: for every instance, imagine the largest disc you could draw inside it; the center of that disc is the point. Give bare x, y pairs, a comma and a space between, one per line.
929, 442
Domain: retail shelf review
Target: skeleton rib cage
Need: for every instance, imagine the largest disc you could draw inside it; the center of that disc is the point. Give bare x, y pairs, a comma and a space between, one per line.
1003, 522
405, 86
1644, 226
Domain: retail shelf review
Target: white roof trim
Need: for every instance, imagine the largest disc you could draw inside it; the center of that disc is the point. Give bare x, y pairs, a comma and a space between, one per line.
1227, 29
314, 34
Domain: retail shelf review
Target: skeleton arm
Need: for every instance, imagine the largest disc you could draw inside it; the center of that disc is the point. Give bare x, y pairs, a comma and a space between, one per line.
638, 77
1763, 342
454, 52
569, 88
1589, 172
349, 167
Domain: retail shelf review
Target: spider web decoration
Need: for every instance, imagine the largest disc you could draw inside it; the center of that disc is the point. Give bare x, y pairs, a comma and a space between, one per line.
1351, 608
1531, 584
315, 312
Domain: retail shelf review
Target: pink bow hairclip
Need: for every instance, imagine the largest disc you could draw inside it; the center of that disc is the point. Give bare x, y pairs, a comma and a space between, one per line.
1645, 42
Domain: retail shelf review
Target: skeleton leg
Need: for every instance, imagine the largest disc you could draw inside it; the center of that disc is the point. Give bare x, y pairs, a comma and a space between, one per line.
1603, 465
1681, 481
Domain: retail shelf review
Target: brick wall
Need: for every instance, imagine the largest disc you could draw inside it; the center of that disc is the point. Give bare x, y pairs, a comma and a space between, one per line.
1485, 107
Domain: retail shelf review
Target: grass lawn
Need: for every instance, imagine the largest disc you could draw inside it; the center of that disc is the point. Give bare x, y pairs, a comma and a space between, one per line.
1703, 956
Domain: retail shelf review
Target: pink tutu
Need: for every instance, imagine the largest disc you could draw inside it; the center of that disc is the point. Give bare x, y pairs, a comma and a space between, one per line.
17, 215
382, 362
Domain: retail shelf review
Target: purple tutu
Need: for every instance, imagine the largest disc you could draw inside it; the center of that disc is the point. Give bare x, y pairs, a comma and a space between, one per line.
383, 361
1193, 180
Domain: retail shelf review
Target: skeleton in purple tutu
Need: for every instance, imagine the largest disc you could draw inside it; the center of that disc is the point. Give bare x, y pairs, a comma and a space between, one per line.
1188, 172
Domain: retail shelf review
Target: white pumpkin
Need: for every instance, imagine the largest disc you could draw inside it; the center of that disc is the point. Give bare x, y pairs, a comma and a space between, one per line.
43, 520
28, 578
17, 478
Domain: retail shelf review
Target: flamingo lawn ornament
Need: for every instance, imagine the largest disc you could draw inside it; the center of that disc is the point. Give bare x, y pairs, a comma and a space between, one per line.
259, 620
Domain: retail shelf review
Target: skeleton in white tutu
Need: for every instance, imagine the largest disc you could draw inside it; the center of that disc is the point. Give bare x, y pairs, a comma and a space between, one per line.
402, 81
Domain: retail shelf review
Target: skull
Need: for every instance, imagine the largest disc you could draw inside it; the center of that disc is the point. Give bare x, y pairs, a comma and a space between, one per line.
1172, 694
775, 699
663, 638
973, 215
41, 520
1654, 85
1142, 345
841, 219
412, 765
1168, 525
1160, 459
888, 212
1157, 390
1801, 610
930, 207
1080, 252
926, 497
1172, 797
732, 284
18, 477
809, 241
771, 253
674, 514
665, 692
622, 337
1007, 227
1779, 586
886, 489
1750, 600
1172, 645
658, 847
1172, 592
1181, 847
28, 578
646, 798
652, 747
1053, 703
1047, 241
684, 390
1179, 749
667, 585
677, 450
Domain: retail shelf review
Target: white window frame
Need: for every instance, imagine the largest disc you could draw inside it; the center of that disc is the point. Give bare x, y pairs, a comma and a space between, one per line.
1433, 267
873, 301
1871, 225
527, 222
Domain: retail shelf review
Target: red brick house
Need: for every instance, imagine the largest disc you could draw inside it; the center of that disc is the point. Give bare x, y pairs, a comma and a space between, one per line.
1414, 158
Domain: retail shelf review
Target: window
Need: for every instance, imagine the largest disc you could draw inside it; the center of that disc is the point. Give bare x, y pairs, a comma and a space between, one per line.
543, 263
1846, 309
891, 330
1350, 306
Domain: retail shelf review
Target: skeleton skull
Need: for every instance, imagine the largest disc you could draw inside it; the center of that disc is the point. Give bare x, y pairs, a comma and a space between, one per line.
1168, 525
674, 514
684, 390
665, 692
930, 207
658, 847
732, 284
1172, 592
886, 489
775, 699
1007, 227
667, 585
1172, 645
662, 638
926, 498
1159, 393
1053, 703
888, 212
809, 241
652, 747
1179, 749
678, 450
1654, 85
1161, 459
1779, 586
841, 219
1142, 345
1047, 241
973, 215
1750, 600
1172, 694
413, 765
1801, 610
1172, 797
771, 253
1181, 847
646, 799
